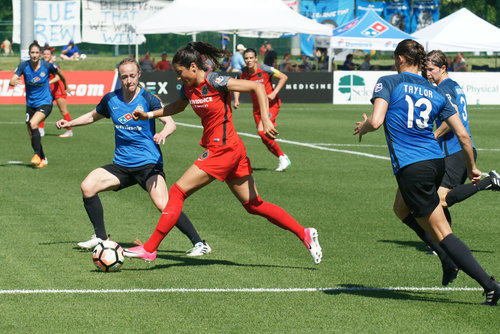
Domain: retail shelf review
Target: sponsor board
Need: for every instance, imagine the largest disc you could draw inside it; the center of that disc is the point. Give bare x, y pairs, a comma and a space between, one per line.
86, 87
356, 87
310, 87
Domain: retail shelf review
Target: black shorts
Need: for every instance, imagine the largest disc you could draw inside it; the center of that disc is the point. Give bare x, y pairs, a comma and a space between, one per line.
129, 176
418, 184
46, 109
455, 170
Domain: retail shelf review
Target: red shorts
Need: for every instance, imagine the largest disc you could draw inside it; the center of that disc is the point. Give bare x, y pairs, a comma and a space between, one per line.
274, 109
225, 163
58, 90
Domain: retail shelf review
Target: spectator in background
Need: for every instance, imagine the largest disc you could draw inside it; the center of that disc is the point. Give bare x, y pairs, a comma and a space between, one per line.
147, 64
7, 47
237, 62
323, 59
70, 51
305, 65
271, 57
263, 49
348, 64
459, 63
163, 65
224, 40
286, 65
225, 65
365, 66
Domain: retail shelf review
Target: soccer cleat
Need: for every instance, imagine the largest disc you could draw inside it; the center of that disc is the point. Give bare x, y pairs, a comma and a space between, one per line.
201, 248
449, 274
67, 134
492, 296
284, 163
140, 252
36, 160
312, 244
44, 162
90, 244
42, 132
495, 180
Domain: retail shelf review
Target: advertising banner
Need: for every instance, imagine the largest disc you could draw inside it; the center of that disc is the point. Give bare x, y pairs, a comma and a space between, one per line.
113, 22
300, 87
86, 87
425, 13
332, 13
56, 22
356, 87
397, 13
362, 6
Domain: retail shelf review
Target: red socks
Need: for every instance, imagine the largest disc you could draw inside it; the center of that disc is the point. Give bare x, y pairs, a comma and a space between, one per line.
275, 215
68, 118
41, 125
271, 144
168, 218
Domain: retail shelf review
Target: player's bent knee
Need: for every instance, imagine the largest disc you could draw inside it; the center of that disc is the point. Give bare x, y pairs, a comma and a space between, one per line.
252, 206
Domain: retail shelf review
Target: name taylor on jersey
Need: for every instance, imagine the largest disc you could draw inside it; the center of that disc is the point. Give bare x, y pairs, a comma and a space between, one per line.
417, 90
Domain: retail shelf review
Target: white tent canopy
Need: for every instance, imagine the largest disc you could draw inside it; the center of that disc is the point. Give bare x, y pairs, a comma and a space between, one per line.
255, 18
460, 31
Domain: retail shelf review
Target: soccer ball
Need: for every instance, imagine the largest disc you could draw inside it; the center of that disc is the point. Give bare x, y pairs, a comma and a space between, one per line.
108, 256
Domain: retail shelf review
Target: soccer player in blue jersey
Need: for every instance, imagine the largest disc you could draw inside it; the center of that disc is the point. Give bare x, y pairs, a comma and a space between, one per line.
452, 188
138, 158
38, 96
407, 105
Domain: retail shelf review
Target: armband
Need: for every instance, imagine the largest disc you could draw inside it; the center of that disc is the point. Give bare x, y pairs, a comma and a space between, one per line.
151, 114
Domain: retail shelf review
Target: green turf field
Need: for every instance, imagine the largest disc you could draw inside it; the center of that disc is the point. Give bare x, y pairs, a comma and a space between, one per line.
375, 276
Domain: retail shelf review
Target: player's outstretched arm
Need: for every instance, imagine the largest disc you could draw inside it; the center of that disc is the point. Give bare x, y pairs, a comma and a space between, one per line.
375, 120
85, 119
168, 129
171, 109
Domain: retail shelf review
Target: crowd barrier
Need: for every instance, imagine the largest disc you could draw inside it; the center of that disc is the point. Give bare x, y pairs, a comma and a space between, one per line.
341, 87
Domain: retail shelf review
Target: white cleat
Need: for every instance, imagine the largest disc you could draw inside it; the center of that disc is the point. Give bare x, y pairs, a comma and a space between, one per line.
42, 132
67, 134
90, 244
200, 249
312, 244
284, 163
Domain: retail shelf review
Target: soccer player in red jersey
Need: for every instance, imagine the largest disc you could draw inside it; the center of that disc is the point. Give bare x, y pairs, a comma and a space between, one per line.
263, 73
59, 91
224, 157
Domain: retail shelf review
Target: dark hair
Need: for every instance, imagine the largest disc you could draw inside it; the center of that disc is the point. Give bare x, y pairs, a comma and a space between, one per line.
49, 49
413, 52
192, 53
35, 44
129, 61
250, 50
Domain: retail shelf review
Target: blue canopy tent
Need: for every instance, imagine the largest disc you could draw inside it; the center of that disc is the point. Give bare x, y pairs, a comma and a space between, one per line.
367, 32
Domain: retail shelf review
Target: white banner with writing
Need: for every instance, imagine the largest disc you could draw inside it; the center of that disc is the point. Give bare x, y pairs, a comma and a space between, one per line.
356, 87
114, 21
56, 22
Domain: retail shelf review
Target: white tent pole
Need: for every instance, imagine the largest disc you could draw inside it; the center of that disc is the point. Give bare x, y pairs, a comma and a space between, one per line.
194, 37
136, 47
234, 43
330, 53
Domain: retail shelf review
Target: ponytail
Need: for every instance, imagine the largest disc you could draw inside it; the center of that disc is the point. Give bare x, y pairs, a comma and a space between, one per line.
197, 52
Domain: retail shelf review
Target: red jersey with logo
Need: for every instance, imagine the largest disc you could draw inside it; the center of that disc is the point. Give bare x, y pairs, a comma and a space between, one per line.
58, 90
211, 101
263, 75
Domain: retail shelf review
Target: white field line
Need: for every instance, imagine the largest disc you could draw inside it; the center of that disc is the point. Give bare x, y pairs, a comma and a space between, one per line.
234, 290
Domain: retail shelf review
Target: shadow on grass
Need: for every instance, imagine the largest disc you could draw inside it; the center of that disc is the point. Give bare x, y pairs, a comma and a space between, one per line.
22, 164
184, 260
422, 247
388, 293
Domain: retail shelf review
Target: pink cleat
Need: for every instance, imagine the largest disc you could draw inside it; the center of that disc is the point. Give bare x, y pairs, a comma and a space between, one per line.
312, 244
139, 251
